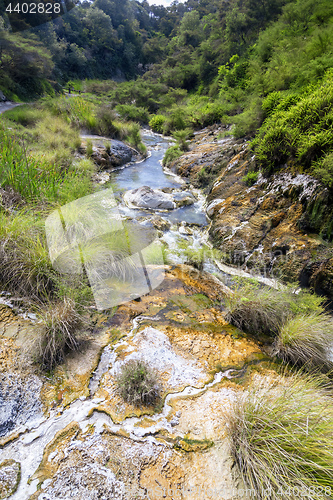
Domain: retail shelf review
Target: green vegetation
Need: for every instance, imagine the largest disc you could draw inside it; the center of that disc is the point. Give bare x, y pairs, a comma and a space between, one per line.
298, 130
25, 267
156, 123
306, 339
172, 153
281, 438
250, 178
262, 310
138, 383
257, 310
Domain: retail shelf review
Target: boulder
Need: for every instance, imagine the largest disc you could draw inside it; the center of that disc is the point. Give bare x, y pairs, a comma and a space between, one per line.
153, 199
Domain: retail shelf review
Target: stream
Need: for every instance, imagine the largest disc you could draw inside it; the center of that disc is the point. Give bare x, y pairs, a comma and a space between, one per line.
188, 229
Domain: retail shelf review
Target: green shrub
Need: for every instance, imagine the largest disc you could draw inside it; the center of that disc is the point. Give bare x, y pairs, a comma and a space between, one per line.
171, 154
306, 339
138, 383
299, 131
132, 112
250, 178
181, 136
281, 438
156, 123
175, 121
58, 332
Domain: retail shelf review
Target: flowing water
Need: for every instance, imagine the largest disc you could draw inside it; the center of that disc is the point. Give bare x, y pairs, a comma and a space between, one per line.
29, 446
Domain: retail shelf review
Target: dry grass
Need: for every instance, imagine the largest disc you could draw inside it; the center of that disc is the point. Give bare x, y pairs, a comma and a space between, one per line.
306, 339
58, 335
138, 383
281, 438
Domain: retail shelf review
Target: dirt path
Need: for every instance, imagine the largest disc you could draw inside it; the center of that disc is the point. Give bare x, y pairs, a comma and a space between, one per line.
5, 106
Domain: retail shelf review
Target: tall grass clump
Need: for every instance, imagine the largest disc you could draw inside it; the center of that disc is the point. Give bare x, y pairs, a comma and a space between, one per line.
25, 267
26, 174
306, 339
58, 332
138, 383
257, 310
281, 438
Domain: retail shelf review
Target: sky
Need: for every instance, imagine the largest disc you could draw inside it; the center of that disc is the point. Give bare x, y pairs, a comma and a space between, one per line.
165, 3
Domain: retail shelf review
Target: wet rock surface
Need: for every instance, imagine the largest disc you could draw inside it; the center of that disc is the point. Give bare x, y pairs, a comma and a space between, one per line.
264, 228
152, 199
10, 475
109, 153
20, 401
91, 444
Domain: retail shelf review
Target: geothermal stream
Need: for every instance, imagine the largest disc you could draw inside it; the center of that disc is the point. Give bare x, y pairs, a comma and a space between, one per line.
32, 438
28, 448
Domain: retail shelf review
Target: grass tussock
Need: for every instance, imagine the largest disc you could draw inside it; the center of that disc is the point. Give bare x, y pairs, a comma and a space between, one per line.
138, 383
58, 334
257, 310
281, 438
306, 340
262, 310
25, 267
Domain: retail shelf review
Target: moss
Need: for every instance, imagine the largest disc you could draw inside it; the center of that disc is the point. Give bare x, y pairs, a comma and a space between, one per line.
192, 445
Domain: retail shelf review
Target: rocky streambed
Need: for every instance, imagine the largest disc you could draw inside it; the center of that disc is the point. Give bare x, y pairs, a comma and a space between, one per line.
70, 435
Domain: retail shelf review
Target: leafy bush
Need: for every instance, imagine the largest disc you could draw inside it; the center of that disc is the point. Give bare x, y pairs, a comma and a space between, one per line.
138, 383
171, 154
175, 121
156, 123
281, 438
132, 112
60, 323
306, 340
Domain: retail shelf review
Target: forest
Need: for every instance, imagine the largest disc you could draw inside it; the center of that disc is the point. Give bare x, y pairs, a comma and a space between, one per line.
256, 65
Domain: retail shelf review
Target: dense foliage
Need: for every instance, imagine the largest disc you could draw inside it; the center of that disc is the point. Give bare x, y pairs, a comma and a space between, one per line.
261, 66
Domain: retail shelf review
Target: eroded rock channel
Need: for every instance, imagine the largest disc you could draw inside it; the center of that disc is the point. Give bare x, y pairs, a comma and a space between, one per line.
71, 435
